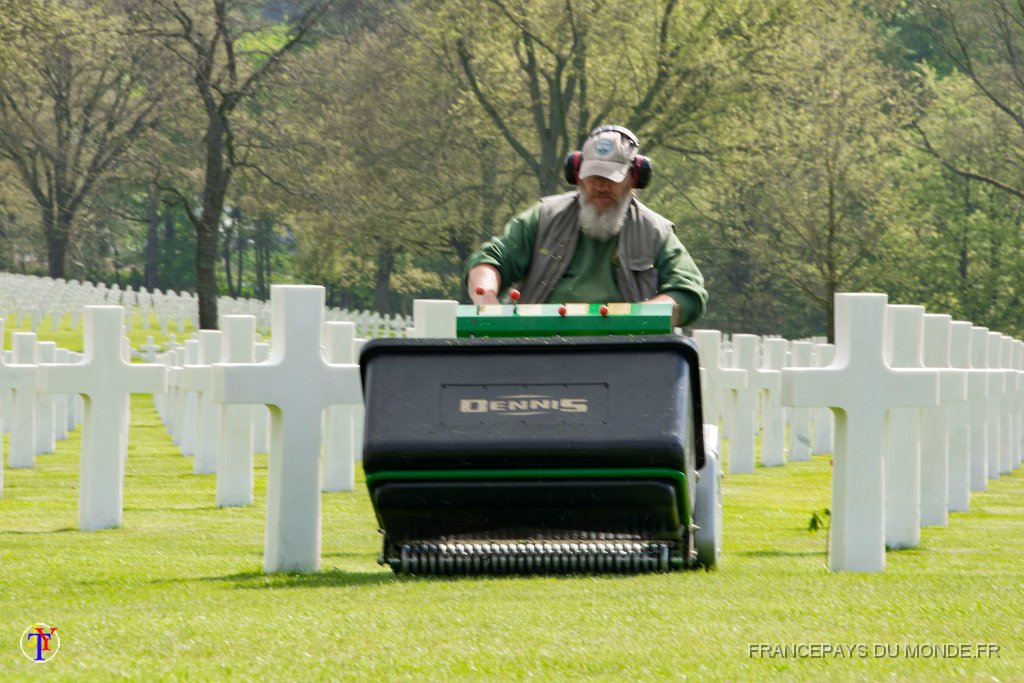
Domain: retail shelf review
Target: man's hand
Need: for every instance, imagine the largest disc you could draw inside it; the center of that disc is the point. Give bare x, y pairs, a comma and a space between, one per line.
484, 283
666, 299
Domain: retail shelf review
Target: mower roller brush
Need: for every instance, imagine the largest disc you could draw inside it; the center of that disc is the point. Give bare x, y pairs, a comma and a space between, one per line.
620, 557
540, 454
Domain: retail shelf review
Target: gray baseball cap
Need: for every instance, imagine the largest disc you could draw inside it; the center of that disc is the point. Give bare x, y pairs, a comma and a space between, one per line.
609, 155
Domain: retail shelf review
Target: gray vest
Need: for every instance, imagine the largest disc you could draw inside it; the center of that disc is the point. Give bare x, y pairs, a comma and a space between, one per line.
642, 238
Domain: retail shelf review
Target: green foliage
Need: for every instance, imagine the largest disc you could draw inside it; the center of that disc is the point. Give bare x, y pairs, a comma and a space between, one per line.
801, 148
822, 519
961, 247
810, 201
81, 90
259, 45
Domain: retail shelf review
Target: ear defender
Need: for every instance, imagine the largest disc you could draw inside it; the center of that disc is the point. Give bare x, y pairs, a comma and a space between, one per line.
640, 169
572, 167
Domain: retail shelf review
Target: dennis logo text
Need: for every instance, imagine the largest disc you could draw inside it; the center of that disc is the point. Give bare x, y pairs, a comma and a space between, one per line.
523, 404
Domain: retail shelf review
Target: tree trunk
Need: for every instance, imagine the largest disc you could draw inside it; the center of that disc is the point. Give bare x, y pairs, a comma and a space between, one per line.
237, 224
226, 255
152, 246
57, 230
830, 316
551, 168
215, 186
117, 262
385, 263
258, 254
168, 226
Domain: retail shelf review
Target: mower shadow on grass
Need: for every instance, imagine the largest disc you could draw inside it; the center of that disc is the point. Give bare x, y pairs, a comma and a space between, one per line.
782, 553
334, 578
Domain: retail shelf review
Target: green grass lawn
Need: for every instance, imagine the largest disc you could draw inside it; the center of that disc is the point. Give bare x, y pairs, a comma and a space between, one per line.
178, 593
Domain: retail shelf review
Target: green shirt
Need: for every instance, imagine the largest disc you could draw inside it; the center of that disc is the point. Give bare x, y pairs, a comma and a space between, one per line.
590, 277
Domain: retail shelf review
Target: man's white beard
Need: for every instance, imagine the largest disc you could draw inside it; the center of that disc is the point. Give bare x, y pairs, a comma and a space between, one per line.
602, 225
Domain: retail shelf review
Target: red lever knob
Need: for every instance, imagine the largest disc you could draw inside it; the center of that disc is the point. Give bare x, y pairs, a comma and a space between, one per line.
480, 291
562, 310
603, 310
514, 295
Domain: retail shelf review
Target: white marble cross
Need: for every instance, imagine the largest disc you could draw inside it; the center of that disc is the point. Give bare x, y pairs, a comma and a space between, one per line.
1006, 430
190, 404
1018, 367
174, 400
937, 422
978, 390
769, 378
434, 318
905, 347
800, 416
744, 405
996, 393
722, 381
298, 385
198, 378
46, 408
234, 452
13, 376
960, 427
261, 415
106, 380
822, 418
339, 469
861, 388
149, 350
23, 405
62, 357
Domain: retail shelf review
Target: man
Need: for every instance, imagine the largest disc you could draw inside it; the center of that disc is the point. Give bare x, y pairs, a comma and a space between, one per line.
595, 245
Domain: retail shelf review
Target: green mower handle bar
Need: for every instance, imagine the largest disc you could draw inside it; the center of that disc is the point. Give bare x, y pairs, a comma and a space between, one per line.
546, 320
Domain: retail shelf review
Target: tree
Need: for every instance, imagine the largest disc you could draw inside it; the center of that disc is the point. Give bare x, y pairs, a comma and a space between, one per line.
984, 41
967, 252
229, 53
393, 180
20, 239
77, 97
547, 72
814, 200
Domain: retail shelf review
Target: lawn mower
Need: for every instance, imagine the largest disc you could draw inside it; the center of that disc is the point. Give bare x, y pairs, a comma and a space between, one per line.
544, 438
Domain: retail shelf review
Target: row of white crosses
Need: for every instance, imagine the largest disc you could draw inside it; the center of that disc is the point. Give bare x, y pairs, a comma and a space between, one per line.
34, 420
741, 381
926, 409
878, 488
301, 386
295, 382
27, 300
104, 379
310, 383
298, 384
217, 434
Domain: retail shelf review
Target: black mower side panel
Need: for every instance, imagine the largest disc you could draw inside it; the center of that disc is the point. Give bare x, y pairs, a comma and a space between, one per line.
560, 509
585, 402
